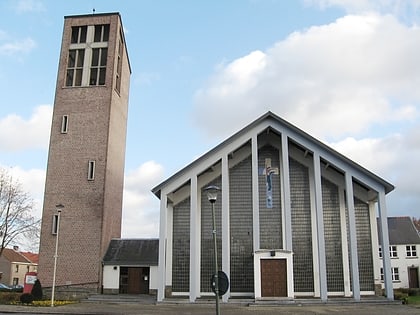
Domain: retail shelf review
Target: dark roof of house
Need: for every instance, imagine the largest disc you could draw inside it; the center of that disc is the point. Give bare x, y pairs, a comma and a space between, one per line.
401, 230
132, 252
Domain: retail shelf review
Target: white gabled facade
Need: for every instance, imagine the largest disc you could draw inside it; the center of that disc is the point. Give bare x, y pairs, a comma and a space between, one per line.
294, 218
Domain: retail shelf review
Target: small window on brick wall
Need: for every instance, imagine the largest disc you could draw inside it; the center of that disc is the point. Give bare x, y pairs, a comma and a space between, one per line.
55, 222
64, 124
91, 170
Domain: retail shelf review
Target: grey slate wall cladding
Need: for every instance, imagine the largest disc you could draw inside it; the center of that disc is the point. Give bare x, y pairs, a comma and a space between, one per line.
301, 227
332, 232
241, 236
181, 247
270, 218
207, 247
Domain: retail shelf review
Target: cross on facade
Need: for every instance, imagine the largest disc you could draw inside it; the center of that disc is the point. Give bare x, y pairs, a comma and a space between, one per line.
268, 171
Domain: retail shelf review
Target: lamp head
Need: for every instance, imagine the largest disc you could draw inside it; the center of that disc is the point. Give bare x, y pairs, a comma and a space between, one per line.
212, 193
59, 207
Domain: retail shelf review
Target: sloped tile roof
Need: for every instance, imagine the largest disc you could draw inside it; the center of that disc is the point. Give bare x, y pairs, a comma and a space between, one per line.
132, 252
14, 256
32, 257
401, 231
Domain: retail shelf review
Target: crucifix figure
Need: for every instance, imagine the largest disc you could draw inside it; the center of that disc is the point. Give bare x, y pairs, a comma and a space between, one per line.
268, 171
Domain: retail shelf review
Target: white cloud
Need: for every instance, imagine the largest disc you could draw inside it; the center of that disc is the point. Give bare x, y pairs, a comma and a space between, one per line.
331, 80
17, 47
397, 7
33, 182
395, 158
147, 78
141, 207
16, 133
354, 82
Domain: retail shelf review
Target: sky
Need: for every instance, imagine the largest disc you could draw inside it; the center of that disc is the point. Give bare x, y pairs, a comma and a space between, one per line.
345, 71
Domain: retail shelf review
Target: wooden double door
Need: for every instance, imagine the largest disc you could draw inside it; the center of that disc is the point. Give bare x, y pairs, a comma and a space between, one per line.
273, 278
134, 280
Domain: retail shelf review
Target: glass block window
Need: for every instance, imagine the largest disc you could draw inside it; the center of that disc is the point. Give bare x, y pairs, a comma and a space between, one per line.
411, 251
181, 247
270, 210
364, 246
301, 227
241, 240
332, 234
207, 245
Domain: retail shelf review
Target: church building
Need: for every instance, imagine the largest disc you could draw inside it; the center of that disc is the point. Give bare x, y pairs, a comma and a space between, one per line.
294, 219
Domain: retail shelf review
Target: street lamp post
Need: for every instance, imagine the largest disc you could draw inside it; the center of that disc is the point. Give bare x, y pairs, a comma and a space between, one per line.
59, 207
212, 197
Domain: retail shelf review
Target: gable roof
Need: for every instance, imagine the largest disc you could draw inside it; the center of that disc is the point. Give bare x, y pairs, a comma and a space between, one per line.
132, 252
14, 256
270, 120
401, 231
32, 257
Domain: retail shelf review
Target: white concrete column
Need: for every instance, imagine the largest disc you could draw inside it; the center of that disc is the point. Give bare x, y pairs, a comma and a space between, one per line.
384, 239
194, 241
285, 178
314, 230
162, 248
353, 237
169, 243
255, 195
225, 222
344, 244
322, 266
375, 243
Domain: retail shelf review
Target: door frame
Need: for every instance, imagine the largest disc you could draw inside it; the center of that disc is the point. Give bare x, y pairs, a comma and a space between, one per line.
416, 270
273, 254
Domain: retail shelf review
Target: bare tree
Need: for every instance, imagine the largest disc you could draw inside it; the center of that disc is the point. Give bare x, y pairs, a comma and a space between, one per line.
16, 220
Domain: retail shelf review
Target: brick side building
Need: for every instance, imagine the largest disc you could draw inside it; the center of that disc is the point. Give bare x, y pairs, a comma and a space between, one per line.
87, 150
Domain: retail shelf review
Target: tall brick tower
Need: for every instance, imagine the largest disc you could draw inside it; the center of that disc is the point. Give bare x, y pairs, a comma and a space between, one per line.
86, 159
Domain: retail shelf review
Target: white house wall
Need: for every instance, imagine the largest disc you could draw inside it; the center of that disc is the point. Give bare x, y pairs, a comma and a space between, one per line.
403, 263
111, 278
154, 278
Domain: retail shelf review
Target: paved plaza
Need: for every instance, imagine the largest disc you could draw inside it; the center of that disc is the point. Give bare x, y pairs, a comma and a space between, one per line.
208, 308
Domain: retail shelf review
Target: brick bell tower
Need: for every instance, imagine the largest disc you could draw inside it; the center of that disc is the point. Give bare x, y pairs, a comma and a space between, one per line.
85, 171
